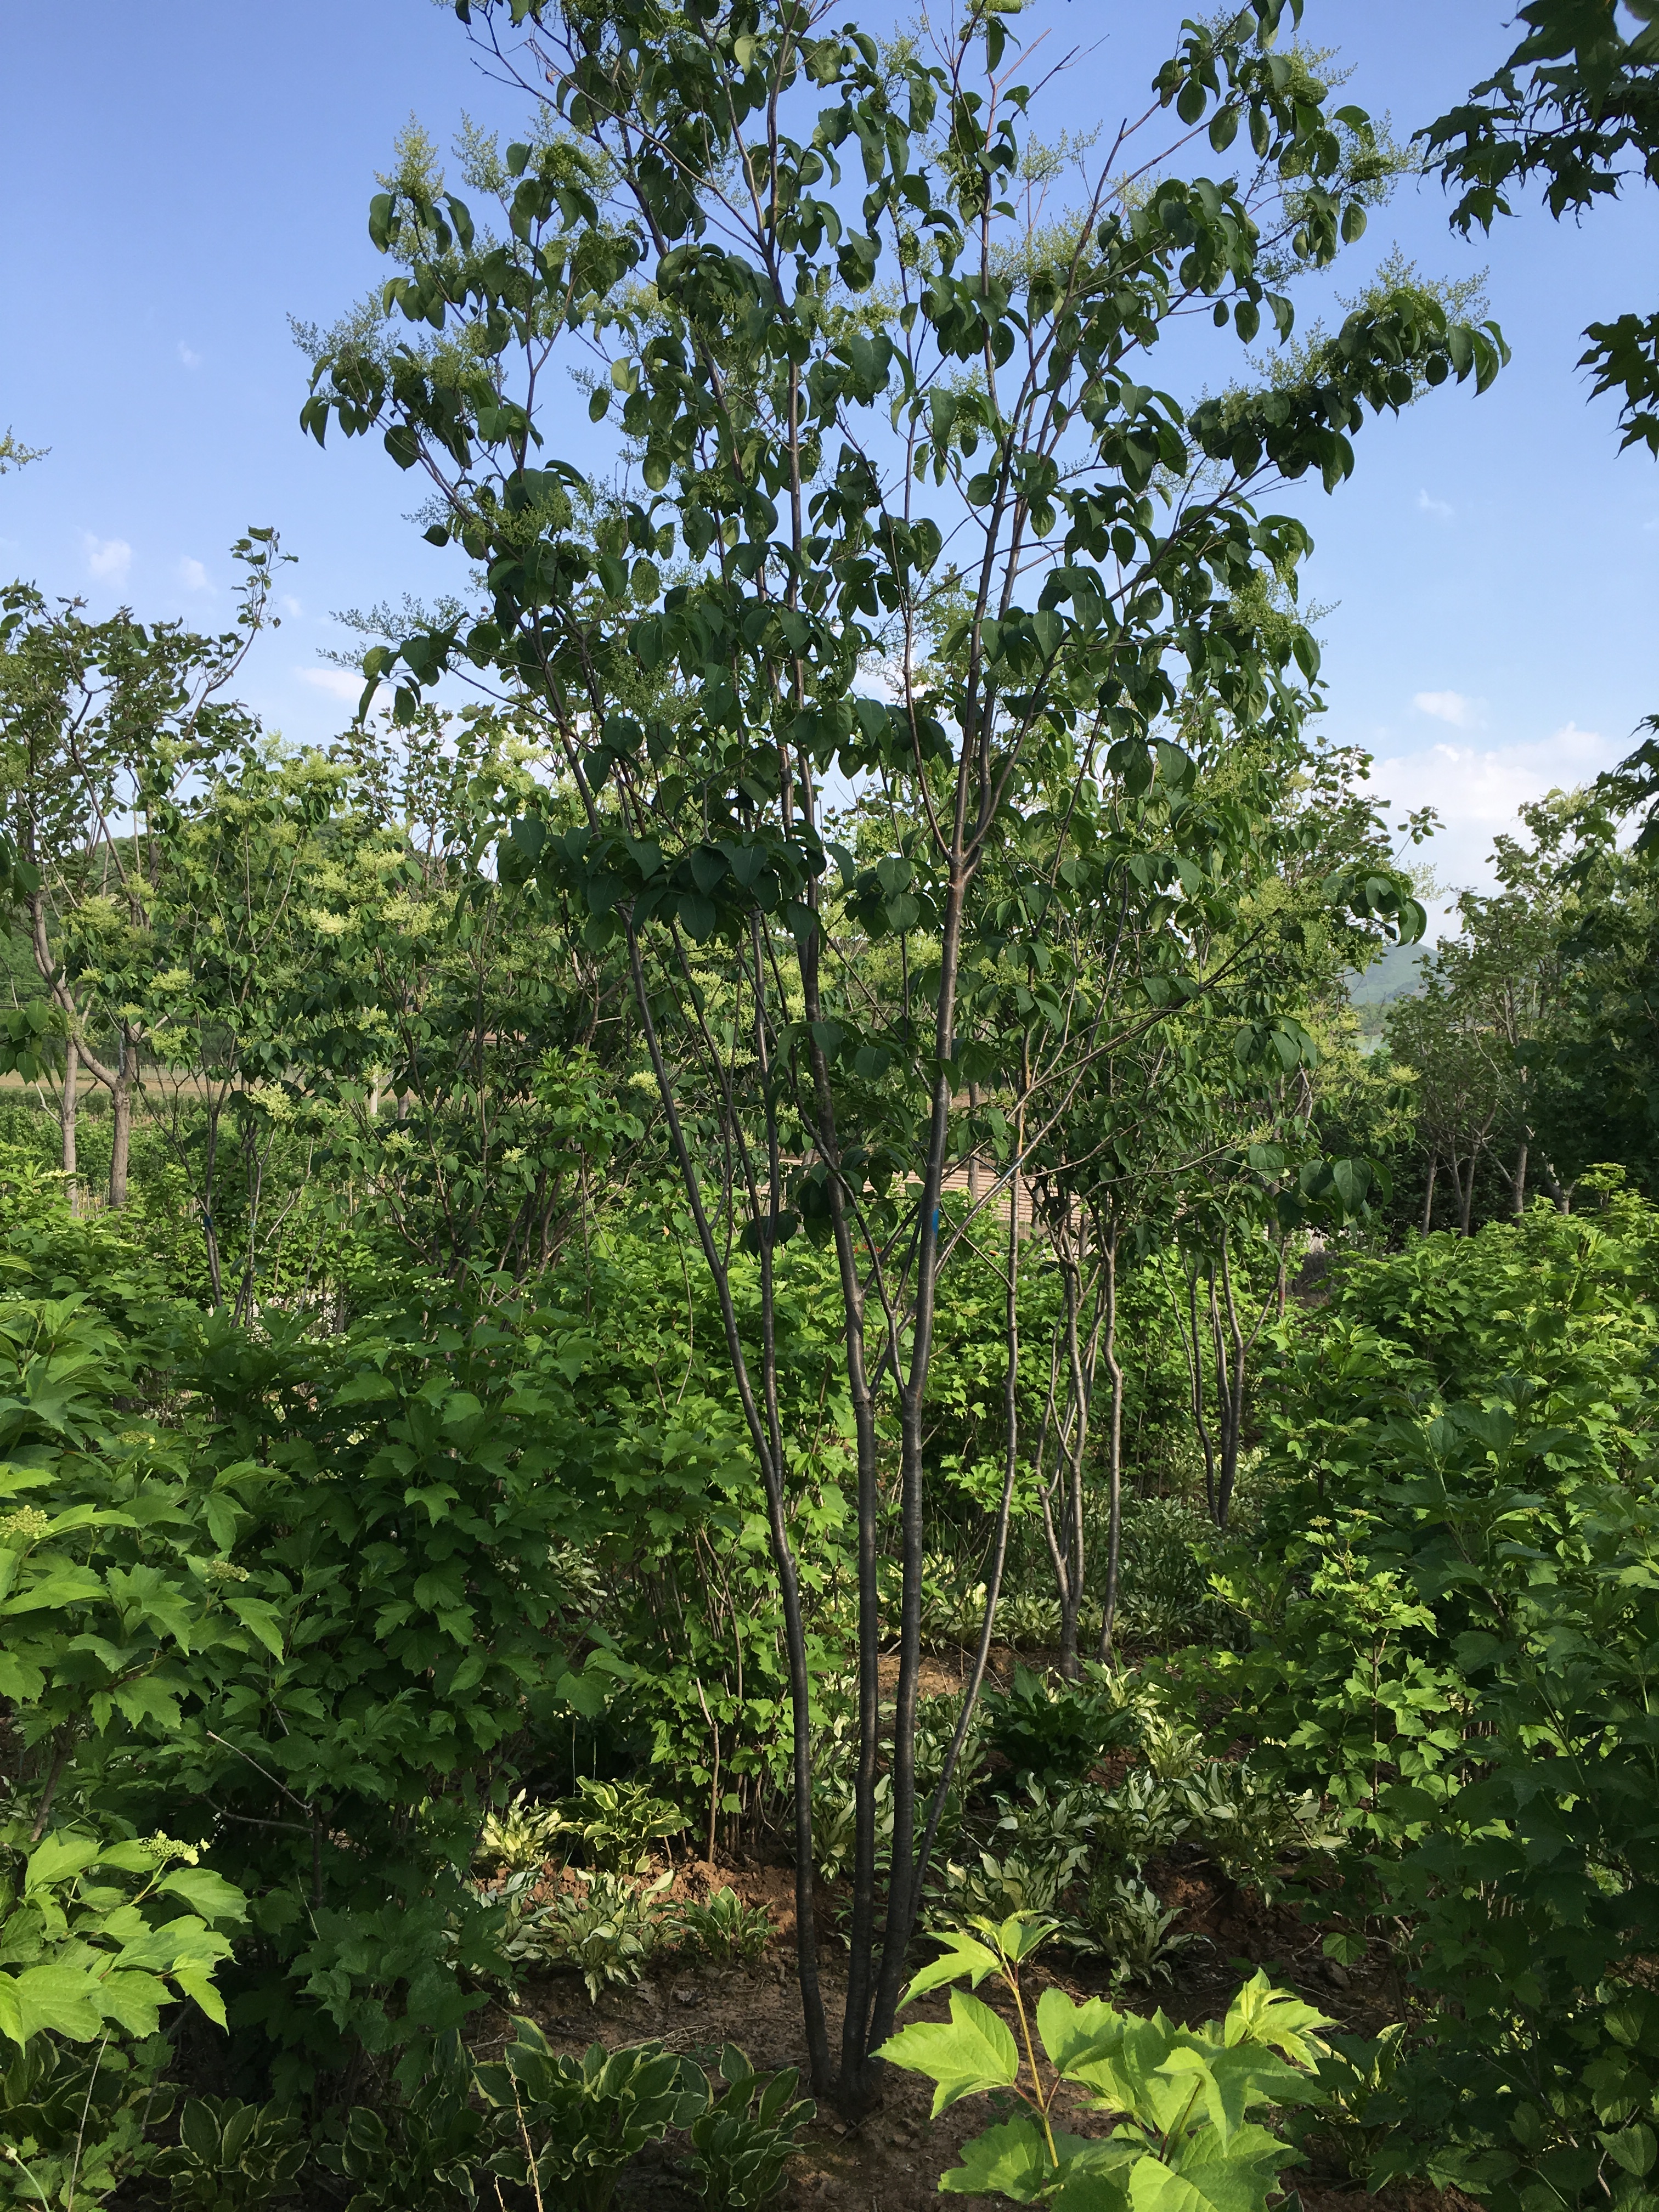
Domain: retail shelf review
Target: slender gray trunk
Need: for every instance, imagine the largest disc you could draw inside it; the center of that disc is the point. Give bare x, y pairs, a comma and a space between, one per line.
1518, 1180
1428, 1193
1114, 1443
68, 1108
121, 1118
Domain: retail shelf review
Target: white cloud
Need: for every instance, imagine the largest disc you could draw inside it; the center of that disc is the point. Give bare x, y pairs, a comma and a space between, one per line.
339, 683
190, 358
1478, 792
107, 558
1453, 707
290, 605
1441, 509
193, 575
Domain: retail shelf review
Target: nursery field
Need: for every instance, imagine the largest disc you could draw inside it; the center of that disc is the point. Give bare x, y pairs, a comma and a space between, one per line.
746, 1456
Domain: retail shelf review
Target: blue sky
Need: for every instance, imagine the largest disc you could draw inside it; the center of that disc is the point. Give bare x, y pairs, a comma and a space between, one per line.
181, 177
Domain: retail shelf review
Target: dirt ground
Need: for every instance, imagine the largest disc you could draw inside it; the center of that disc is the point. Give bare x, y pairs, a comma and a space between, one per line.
891, 2162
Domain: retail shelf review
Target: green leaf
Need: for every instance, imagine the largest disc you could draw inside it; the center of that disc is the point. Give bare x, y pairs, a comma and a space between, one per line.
971, 2051
206, 1892
61, 1998
1012, 2160
1073, 2032
58, 1858
962, 1955
1261, 2014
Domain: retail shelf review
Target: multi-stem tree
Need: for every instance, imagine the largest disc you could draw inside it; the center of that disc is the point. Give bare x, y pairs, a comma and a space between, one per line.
886, 403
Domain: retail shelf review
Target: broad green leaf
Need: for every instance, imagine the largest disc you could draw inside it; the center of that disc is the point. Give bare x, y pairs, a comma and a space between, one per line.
1261, 2014
133, 2001
962, 1955
61, 1998
58, 1857
971, 2052
1009, 2160
208, 1893
1072, 2032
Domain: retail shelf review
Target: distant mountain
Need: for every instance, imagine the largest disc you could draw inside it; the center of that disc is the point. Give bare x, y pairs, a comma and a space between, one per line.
1395, 975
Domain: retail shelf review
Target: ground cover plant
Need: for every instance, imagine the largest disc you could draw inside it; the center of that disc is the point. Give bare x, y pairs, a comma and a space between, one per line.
740, 1335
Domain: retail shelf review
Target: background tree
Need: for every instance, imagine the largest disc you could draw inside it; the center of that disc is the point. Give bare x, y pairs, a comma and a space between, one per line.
99, 723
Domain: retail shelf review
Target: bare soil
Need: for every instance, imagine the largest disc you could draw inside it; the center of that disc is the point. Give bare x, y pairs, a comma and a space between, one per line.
892, 2161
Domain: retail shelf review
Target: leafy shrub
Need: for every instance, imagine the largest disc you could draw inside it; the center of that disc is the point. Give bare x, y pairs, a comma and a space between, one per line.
1453, 1605
1248, 1822
1053, 1730
1182, 2097
73, 2123
96, 1936
608, 1931
523, 1835
725, 1927
1357, 2111
566, 2127
741, 2145
427, 2159
233, 2157
1164, 1594
619, 1821
1126, 1921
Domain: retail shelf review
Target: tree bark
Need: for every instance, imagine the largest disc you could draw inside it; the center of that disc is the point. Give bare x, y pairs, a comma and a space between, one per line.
121, 1119
1518, 1180
67, 1106
1114, 1443
1428, 1193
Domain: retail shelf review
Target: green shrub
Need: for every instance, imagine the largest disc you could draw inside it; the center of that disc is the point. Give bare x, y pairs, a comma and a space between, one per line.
1182, 2098
1053, 1730
1453, 1603
741, 2144
725, 1927
566, 2127
232, 2157
619, 1821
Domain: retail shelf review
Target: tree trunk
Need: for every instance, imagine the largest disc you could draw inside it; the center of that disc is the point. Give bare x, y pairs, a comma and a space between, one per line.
1465, 1199
121, 1119
1114, 1443
1428, 1193
1518, 1180
67, 1106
